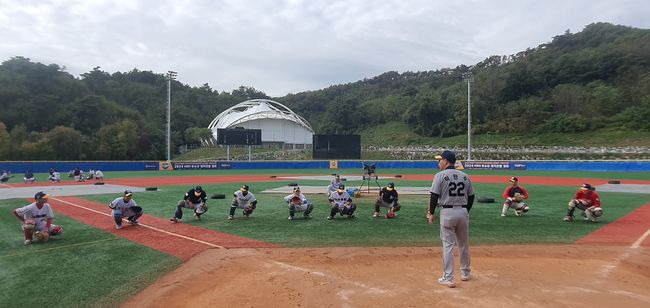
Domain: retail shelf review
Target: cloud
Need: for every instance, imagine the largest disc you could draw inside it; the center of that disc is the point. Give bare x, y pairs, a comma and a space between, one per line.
289, 46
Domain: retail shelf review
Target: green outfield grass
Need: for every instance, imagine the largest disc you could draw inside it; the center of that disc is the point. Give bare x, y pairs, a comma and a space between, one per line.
269, 222
83, 267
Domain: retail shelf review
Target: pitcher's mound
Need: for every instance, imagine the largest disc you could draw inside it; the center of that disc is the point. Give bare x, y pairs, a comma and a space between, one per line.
502, 276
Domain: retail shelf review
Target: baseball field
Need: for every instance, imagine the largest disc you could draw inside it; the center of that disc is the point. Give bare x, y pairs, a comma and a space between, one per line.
536, 260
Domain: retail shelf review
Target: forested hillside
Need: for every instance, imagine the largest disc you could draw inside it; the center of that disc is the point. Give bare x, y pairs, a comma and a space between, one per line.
597, 78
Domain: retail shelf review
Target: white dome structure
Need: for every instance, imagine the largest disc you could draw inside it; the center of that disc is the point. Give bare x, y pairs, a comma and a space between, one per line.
279, 125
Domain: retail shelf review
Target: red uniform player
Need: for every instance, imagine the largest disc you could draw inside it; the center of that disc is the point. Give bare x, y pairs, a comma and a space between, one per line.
587, 200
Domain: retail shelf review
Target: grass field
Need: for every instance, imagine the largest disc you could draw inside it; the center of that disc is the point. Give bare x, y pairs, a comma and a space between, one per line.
82, 267
88, 267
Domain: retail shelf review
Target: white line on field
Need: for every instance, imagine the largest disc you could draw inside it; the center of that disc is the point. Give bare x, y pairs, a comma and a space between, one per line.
607, 269
143, 225
320, 274
640, 240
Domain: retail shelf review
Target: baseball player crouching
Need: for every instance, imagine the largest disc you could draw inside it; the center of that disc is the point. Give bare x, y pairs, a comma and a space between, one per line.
341, 202
36, 219
334, 184
243, 199
194, 199
515, 196
125, 206
297, 202
588, 201
387, 198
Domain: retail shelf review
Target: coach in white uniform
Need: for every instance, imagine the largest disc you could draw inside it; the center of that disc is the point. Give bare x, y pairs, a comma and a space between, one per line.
37, 217
242, 199
452, 190
125, 206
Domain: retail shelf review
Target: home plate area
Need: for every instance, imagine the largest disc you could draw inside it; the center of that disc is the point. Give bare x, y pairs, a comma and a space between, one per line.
65, 190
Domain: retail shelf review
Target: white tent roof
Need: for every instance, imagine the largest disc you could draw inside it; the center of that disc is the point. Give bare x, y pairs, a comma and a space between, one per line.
257, 109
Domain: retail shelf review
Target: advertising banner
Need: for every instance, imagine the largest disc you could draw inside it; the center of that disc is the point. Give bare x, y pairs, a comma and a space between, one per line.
486, 165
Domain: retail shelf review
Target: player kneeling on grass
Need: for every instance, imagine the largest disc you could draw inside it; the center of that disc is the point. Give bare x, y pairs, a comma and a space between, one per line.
243, 199
125, 206
387, 198
298, 203
29, 177
341, 202
36, 219
588, 201
515, 196
195, 199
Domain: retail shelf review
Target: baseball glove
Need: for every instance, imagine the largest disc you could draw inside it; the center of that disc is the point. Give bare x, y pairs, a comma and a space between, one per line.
42, 236
29, 224
518, 197
296, 200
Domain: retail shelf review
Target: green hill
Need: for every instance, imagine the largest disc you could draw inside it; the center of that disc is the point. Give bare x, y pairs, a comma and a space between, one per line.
591, 87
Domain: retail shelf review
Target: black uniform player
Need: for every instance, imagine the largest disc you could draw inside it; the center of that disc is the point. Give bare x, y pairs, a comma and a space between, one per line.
195, 199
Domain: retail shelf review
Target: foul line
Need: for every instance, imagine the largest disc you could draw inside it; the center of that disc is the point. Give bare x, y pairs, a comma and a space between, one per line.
607, 269
58, 247
640, 240
143, 225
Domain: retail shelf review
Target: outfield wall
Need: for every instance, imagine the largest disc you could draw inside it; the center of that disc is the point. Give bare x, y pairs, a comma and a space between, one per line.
63, 167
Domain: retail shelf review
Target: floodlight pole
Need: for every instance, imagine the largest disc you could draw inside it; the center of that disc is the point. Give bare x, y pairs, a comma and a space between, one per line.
170, 76
469, 78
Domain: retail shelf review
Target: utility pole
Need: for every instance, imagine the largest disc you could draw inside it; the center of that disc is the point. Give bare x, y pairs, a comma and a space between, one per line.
170, 75
469, 78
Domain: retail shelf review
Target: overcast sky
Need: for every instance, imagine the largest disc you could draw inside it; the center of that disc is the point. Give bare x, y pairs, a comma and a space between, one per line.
289, 46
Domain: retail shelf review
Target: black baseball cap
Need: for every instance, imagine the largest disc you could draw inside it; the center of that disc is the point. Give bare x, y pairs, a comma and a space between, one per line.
447, 155
127, 193
513, 179
244, 188
40, 195
341, 186
198, 188
586, 186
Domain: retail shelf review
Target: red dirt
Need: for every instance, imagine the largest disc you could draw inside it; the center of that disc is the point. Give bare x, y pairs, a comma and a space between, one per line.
182, 248
502, 276
216, 179
624, 230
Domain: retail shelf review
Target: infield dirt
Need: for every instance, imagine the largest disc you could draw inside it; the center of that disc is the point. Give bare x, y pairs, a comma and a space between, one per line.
502, 276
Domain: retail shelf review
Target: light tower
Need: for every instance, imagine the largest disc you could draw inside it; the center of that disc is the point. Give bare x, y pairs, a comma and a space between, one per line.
170, 75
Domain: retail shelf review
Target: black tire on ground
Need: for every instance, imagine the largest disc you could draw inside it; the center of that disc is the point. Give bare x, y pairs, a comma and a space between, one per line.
218, 196
292, 184
98, 183
614, 182
485, 200
398, 175
151, 188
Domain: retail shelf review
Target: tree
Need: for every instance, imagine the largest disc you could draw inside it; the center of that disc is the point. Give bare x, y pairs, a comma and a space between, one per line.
195, 135
5, 142
65, 143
